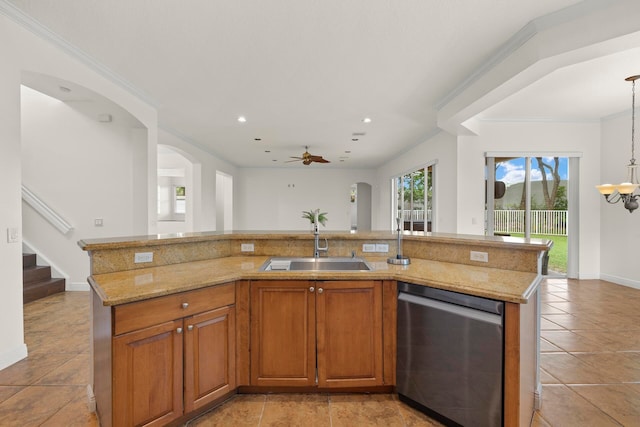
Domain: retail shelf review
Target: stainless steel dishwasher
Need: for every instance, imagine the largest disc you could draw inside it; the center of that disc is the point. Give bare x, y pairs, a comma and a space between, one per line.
450, 355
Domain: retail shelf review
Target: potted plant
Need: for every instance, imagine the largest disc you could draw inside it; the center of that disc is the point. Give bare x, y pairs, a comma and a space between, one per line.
310, 215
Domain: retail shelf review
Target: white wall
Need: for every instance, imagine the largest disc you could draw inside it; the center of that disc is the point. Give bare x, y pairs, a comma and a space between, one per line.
273, 199
12, 346
619, 230
440, 148
542, 138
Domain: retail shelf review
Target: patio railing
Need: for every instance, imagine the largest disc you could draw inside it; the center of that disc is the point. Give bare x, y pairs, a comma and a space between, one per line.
549, 222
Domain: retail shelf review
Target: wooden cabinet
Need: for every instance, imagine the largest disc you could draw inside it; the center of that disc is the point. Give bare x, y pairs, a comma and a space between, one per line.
209, 357
170, 356
349, 333
147, 382
335, 326
283, 333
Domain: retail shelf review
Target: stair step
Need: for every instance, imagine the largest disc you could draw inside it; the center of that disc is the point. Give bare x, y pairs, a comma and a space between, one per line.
36, 290
28, 260
36, 273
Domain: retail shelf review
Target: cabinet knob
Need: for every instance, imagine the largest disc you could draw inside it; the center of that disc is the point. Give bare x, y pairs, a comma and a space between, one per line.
190, 328
179, 330
185, 305
320, 290
311, 289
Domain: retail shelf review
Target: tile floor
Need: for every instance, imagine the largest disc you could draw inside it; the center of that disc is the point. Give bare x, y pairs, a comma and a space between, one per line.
590, 370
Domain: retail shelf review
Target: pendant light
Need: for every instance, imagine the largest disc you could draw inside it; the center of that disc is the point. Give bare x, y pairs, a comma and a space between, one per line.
626, 192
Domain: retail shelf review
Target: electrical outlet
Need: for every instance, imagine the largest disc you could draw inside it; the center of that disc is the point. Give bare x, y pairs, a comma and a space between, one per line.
246, 247
141, 257
479, 256
368, 247
382, 247
98, 222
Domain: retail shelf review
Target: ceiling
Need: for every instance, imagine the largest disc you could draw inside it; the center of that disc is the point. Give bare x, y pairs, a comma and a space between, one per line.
307, 72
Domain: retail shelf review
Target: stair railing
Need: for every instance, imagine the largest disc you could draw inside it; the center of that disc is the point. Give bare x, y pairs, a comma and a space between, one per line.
47, 213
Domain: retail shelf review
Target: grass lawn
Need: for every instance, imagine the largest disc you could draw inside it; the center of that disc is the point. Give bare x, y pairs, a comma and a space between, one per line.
558, 254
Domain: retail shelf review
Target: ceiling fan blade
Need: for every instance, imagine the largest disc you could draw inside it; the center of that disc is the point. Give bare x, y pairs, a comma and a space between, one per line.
319, 159
291, 161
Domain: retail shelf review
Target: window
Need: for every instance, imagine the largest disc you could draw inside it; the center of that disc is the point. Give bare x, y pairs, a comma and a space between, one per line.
413, 199
180, 205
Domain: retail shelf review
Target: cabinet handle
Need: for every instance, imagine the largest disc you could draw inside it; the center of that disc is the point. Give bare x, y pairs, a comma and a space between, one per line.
185, 305
190, 328
311, 289
179, 330
320, 290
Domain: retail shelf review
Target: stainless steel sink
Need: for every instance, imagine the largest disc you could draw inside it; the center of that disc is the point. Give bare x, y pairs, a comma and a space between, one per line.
316, 264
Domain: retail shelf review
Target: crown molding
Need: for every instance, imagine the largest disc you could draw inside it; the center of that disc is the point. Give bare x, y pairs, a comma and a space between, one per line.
18, 16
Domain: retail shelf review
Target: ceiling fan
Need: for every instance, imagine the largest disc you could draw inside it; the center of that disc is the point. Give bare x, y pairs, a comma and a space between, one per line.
307, 158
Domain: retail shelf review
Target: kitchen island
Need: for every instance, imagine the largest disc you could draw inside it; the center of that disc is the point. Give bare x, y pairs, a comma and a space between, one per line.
197, 323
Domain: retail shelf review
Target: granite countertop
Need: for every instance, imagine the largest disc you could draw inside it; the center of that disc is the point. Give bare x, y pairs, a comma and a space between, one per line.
135, 285
164, 239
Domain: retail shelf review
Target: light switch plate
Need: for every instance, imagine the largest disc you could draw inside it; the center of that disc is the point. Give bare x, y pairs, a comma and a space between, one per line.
13, 235
246, 247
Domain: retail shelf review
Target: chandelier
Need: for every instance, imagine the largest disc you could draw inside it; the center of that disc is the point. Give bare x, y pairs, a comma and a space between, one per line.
625, 192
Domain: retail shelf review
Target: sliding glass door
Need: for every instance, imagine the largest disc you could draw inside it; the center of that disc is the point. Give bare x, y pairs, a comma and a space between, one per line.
529, 198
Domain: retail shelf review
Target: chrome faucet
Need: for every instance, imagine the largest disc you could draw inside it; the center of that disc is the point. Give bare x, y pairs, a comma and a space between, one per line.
316, 237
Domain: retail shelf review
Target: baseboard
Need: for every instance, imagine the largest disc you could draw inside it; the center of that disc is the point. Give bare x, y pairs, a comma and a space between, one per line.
8, 358
621, 281
91, 399
77, 286
591, 276
537, 398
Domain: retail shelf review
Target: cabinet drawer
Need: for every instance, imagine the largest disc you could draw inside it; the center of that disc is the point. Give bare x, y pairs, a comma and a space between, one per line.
141, 314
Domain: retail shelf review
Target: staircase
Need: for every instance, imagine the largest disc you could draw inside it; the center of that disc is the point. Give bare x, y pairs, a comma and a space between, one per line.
37, 281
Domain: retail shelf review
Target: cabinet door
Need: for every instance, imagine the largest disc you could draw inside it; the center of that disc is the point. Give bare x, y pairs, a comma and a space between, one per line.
147, 378
349, 342
283, 333
210, 356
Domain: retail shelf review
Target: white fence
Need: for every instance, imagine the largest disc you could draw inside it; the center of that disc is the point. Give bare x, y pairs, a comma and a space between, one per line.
415, 215
549, 222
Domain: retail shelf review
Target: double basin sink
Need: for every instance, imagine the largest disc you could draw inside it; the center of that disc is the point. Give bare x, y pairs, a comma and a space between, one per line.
316, 264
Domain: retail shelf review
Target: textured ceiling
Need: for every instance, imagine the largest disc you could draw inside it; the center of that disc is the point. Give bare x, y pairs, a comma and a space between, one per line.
306, 72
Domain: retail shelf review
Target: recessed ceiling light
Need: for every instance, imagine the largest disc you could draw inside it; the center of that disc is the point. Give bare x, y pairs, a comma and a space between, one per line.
242, 119
347, 151
358, 134
366, 120
267, 151
257, 139
355, 139
64, 89
341, 160
274, 160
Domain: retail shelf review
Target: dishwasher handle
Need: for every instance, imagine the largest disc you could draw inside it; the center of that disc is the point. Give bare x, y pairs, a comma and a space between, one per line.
457, 310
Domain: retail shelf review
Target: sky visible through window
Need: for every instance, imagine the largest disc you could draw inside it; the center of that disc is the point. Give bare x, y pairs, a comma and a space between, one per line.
513, 171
